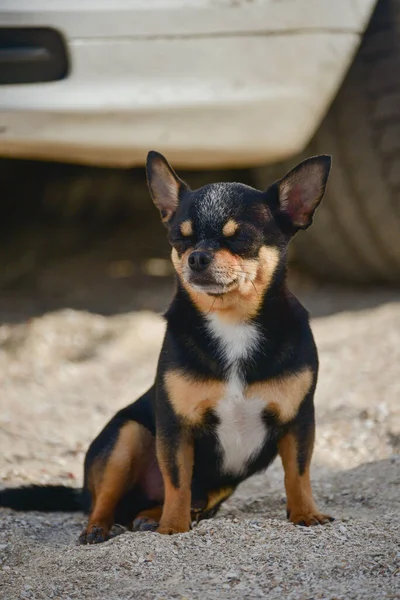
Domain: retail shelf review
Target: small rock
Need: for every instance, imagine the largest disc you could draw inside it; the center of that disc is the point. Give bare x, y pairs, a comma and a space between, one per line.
150, 557
232, 575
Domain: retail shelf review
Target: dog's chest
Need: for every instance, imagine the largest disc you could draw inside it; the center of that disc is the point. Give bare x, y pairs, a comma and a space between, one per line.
241, 431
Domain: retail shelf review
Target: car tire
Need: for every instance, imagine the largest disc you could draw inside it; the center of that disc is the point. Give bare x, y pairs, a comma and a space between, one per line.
356, 232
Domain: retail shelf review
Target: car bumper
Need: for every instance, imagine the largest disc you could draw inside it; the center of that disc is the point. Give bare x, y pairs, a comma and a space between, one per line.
215, 90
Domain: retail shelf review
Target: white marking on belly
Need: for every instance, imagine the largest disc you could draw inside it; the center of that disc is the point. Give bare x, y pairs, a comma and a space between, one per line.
241, 432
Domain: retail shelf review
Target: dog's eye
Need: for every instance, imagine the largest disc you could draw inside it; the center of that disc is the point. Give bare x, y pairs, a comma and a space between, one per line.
244, 240
182, 236
237, 242
181, 243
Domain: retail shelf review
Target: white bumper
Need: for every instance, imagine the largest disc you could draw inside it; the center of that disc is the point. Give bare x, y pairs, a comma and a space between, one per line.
210, 83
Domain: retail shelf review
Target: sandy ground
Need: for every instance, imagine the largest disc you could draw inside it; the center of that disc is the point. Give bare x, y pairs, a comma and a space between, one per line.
79, 339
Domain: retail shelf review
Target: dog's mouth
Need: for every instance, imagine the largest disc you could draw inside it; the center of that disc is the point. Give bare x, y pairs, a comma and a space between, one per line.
214, 288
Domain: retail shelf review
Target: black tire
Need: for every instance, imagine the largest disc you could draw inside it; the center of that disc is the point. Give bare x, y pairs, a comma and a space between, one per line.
356, 232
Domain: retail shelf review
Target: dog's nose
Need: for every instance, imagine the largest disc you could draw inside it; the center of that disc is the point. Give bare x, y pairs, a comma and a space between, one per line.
198, 261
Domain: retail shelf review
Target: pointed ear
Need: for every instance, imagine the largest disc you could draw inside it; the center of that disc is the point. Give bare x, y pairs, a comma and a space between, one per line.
164, 184
301, 190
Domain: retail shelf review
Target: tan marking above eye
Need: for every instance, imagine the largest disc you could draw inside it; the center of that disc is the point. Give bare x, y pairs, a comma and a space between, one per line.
186, 228
230, 228
283, 395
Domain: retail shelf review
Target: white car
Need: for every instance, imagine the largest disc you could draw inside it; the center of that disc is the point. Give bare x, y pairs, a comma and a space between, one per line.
215, 83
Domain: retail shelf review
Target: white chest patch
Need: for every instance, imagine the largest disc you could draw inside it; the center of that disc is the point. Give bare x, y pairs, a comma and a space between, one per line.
237, 341
241, 432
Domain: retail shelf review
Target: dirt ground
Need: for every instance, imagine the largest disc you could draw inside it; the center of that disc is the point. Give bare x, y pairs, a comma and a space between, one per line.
79, 338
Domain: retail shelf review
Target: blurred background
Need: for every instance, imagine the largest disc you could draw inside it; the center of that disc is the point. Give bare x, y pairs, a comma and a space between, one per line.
227, 90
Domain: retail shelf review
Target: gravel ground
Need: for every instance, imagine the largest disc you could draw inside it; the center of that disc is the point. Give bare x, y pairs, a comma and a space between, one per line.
79, 339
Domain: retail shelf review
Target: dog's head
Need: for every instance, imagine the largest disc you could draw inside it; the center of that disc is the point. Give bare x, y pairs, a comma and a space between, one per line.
229, 239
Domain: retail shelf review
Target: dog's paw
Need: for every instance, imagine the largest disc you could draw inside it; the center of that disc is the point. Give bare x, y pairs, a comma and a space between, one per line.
171, 530
93, 535
144, 524
309, 519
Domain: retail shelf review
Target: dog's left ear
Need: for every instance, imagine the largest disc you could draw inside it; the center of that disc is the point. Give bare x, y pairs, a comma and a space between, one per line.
301, 190
164, 184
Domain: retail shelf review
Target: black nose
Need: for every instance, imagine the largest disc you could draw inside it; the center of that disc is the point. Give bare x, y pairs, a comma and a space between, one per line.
198, 261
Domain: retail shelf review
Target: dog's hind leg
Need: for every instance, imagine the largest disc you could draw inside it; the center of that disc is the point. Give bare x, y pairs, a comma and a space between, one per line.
111, 474
147, 520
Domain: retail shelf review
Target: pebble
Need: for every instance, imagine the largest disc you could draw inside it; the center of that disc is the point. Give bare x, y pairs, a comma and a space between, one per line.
232, 575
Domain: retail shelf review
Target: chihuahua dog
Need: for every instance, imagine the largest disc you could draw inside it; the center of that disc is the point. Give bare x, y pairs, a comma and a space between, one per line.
237, 370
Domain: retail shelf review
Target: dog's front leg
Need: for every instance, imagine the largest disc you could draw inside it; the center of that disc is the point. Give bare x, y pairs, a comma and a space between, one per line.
175, 458
295, 450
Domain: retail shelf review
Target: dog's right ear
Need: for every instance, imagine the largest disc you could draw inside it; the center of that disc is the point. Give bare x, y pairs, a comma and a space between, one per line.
164, 184
301, 190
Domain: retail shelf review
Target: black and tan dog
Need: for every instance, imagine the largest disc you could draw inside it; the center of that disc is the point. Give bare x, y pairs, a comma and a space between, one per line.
237, 370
